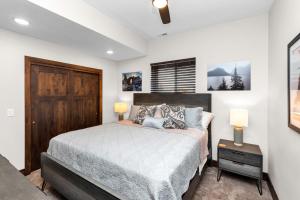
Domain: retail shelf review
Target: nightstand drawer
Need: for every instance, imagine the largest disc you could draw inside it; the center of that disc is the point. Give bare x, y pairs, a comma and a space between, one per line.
242, 169
246, 158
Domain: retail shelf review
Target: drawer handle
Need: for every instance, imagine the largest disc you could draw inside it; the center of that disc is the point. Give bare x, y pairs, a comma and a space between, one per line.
238, 153
238, 163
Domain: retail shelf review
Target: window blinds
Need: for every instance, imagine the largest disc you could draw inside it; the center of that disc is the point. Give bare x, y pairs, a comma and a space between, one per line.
174, 76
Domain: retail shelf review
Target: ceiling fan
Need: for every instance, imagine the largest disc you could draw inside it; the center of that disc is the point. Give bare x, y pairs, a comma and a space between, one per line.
163, 8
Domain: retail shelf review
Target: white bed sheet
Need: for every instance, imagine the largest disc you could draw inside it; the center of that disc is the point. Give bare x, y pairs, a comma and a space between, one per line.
200, 134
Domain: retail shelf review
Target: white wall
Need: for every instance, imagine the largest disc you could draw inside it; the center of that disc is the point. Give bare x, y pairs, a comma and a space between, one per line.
241, 40
284, 143
13, 48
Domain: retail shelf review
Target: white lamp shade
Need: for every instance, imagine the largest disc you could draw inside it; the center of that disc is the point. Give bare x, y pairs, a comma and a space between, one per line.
239, 117
120, 107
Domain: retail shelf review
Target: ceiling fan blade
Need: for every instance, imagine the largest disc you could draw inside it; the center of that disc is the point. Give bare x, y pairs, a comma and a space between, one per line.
165, 15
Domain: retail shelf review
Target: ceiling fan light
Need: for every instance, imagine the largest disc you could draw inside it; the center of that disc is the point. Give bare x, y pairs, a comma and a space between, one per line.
160, 3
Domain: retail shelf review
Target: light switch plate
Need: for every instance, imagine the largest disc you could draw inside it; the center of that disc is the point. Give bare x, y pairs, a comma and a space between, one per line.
10, 112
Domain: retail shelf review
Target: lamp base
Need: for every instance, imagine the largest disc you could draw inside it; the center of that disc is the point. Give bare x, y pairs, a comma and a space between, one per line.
238, 136
121, 117
239, 145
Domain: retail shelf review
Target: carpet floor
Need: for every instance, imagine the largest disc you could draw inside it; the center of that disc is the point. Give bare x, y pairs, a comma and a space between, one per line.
230, 187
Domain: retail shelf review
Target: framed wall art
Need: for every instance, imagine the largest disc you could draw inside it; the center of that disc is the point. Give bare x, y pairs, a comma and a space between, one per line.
132, 81
229, 76
294, 84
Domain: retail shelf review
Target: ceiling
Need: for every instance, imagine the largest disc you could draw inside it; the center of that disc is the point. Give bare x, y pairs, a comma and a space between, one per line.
51, 27
116, 20
185, 14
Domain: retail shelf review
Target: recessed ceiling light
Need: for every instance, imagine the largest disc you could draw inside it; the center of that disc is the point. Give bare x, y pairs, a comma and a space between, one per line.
110, 52
21, 21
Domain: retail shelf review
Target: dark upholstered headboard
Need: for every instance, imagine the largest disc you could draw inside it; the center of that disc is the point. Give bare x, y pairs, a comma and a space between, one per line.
188, 100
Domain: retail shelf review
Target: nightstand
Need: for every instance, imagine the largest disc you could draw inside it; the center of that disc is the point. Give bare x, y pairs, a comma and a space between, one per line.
246, 160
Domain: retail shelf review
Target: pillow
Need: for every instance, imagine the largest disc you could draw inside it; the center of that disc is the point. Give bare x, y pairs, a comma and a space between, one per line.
133, 112
143, 112
207, 117
154, 122
157, 113
174, 116
193, 117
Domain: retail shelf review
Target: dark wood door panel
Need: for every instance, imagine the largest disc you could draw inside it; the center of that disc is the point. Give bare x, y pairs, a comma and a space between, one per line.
49, 81
50, 119
85, 104
59, 97
85, 84
60, 117
40, 124
77, 116
52, 83
84, 112
49, 93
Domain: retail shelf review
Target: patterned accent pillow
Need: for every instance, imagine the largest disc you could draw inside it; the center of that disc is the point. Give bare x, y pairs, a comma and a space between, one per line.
157, 113
174, 116
144, 111
133, 112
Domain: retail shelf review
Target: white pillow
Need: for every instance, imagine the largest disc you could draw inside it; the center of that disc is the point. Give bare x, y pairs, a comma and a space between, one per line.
154, 122
207, 117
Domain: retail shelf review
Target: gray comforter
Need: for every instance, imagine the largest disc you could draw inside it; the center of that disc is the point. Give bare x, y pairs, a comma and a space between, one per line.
133, 162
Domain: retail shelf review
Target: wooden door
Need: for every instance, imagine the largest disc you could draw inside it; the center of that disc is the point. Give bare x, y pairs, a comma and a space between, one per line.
59, 98
85, 103
50, 108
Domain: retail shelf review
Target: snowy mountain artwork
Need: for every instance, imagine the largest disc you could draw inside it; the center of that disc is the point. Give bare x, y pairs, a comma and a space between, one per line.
229, 76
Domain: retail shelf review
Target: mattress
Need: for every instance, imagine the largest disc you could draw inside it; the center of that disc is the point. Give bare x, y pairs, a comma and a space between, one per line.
132, 161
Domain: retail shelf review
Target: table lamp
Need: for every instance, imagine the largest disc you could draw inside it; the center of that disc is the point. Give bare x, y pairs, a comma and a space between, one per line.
239, 120
121, 108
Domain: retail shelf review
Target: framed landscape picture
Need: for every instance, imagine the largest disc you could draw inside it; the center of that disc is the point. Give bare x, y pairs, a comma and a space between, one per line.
132, 81
294, 84
229, 76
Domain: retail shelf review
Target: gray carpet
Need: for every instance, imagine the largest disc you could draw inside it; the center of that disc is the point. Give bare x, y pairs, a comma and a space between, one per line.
230, 187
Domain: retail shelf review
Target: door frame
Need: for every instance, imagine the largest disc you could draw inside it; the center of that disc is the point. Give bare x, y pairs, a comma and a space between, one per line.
29, 61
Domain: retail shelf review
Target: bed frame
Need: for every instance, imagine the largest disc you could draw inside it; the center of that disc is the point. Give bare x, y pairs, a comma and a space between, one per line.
75, 186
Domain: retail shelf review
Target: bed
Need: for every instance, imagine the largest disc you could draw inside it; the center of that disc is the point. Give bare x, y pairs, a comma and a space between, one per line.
131, 162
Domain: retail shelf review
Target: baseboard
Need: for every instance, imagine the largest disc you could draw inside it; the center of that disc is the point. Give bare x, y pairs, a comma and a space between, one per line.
271, 187
22, 171
214, 163
266, 177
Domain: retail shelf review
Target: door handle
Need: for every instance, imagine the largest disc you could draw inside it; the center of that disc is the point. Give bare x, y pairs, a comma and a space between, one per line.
33, 123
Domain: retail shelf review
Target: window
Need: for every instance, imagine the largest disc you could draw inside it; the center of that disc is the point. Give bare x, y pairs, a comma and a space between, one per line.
174, 76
